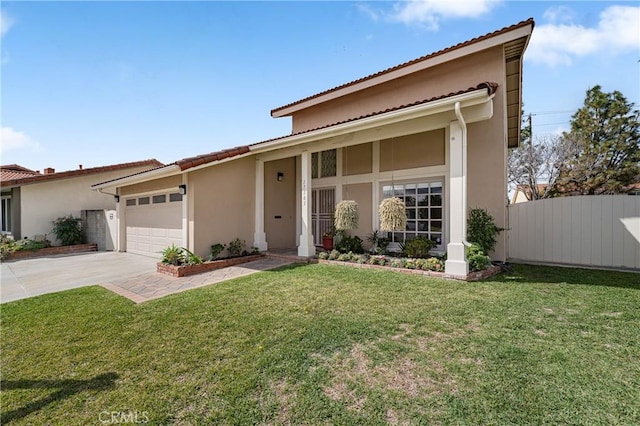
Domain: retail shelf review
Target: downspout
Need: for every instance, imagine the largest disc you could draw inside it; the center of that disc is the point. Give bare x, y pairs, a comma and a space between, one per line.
463, 124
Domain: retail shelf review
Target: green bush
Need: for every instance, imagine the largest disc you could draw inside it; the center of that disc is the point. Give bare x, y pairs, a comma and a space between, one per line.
477, 259
482, 229
216, 249
173, 255
236, 247
334, 254
68, 230
348, 243
344, 257
191, 258
418, 247
323, 255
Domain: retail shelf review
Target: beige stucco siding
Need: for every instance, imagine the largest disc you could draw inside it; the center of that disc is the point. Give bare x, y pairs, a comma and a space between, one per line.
221, 203
411, 151
152, 185
361, 193
357, 159
280, 203
43, 202
439, 80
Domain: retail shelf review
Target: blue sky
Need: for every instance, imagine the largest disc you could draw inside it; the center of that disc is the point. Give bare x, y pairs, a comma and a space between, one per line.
99, 83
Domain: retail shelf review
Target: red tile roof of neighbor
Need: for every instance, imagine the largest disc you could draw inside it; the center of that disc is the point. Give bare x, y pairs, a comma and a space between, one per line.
14, 171
80, 172
521, 24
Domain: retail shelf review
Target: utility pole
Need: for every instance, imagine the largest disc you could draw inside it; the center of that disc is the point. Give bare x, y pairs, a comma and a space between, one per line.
532, 180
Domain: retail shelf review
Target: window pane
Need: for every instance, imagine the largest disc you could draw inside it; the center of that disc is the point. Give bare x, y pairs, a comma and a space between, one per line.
411, 213
159, 199
328, 163
314, 165
436, 213
411, 225
143, 201
423, 226
436, 187
436, 225
436, 200
437, 238
424, 213
131, 202
410, 201
176, 196
423, 188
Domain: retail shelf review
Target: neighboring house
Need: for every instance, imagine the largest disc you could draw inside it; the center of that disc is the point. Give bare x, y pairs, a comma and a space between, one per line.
434, 131
523, 193
31, 201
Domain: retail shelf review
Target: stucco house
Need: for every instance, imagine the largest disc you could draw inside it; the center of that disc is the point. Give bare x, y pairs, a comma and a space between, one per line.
434, 131
32, 200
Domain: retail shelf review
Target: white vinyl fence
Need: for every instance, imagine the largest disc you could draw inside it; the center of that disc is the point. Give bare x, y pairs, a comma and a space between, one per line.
600, 230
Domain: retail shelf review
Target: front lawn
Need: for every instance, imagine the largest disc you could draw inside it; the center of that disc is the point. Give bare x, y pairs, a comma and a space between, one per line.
324, 344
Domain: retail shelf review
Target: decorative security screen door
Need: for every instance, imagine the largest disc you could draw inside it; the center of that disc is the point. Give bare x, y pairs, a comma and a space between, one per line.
322, 205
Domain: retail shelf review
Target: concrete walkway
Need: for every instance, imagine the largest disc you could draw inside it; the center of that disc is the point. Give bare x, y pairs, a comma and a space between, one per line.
144, 287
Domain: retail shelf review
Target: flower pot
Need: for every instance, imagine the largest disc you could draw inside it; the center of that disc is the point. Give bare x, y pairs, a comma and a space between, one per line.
327, 242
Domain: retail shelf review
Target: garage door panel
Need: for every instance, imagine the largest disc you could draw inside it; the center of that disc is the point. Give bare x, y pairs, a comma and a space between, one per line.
152, 228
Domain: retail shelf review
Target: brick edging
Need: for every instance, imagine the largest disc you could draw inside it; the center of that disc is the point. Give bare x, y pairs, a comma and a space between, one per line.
51, 251
185, 270
472, 276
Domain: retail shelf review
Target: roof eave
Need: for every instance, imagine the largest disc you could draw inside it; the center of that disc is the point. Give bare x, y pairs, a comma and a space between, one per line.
497, 40
475, 97
165, 171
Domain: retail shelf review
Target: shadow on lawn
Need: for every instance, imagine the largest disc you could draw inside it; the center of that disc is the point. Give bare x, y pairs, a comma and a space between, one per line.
538, 274
66, 388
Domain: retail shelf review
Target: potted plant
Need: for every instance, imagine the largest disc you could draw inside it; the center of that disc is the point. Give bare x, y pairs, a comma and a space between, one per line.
327, 241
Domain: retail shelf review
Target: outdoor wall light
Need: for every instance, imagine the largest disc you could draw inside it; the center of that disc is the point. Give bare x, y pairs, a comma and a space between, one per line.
280, 176
183, 189
117, 198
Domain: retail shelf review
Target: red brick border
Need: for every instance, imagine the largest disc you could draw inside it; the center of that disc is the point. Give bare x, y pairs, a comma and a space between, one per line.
185, 270
473, 276
51, 251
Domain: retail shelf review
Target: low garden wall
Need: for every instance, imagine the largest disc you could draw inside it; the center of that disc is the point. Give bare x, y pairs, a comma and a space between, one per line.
185, 270
52, 251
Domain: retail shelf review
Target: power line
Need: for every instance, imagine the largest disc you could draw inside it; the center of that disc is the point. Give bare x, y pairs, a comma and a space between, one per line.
552, 112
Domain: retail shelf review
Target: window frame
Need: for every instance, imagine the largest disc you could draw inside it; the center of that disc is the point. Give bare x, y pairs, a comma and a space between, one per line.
430, 221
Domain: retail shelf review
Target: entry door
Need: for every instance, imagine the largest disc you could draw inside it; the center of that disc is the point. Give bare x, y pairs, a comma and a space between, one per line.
322, 207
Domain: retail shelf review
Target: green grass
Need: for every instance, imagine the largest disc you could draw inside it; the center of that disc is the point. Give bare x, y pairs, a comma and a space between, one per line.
326, 344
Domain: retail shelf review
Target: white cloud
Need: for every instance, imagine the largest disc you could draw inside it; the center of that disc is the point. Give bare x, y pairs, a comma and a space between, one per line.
5, 23
12, 140
559, 43
558, 14
429, 13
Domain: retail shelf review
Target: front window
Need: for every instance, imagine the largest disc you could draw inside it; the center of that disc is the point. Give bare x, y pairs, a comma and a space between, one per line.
324, 164
424, 202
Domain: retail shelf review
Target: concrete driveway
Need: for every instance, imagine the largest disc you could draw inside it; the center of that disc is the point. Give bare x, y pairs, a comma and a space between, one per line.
32, 277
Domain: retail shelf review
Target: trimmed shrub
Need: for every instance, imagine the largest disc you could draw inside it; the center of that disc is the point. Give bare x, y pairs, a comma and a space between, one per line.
68, 230
418, 247
477, 259
482, 229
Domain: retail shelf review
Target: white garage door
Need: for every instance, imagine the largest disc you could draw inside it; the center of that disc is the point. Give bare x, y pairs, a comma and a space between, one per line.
154, 222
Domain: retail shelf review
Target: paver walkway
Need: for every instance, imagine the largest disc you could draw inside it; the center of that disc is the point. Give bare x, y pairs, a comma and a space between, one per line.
144, 287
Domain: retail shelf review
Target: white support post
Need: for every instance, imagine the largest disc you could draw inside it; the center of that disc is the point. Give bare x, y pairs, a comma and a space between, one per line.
456, 263
259, 236
120, 225
306, 248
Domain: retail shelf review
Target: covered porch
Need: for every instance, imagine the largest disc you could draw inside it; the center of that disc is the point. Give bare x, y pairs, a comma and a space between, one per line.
290, 174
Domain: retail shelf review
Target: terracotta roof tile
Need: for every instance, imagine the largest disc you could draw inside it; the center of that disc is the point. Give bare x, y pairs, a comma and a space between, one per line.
80, 172
187, 163
529, 21
14, 171
491, 88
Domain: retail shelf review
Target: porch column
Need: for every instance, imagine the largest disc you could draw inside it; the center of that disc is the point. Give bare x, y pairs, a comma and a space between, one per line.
306, 248
259, 237
456, 263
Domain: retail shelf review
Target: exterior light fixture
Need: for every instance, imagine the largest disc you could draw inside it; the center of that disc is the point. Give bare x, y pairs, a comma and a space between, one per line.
183, 189
280, 176
117, 198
